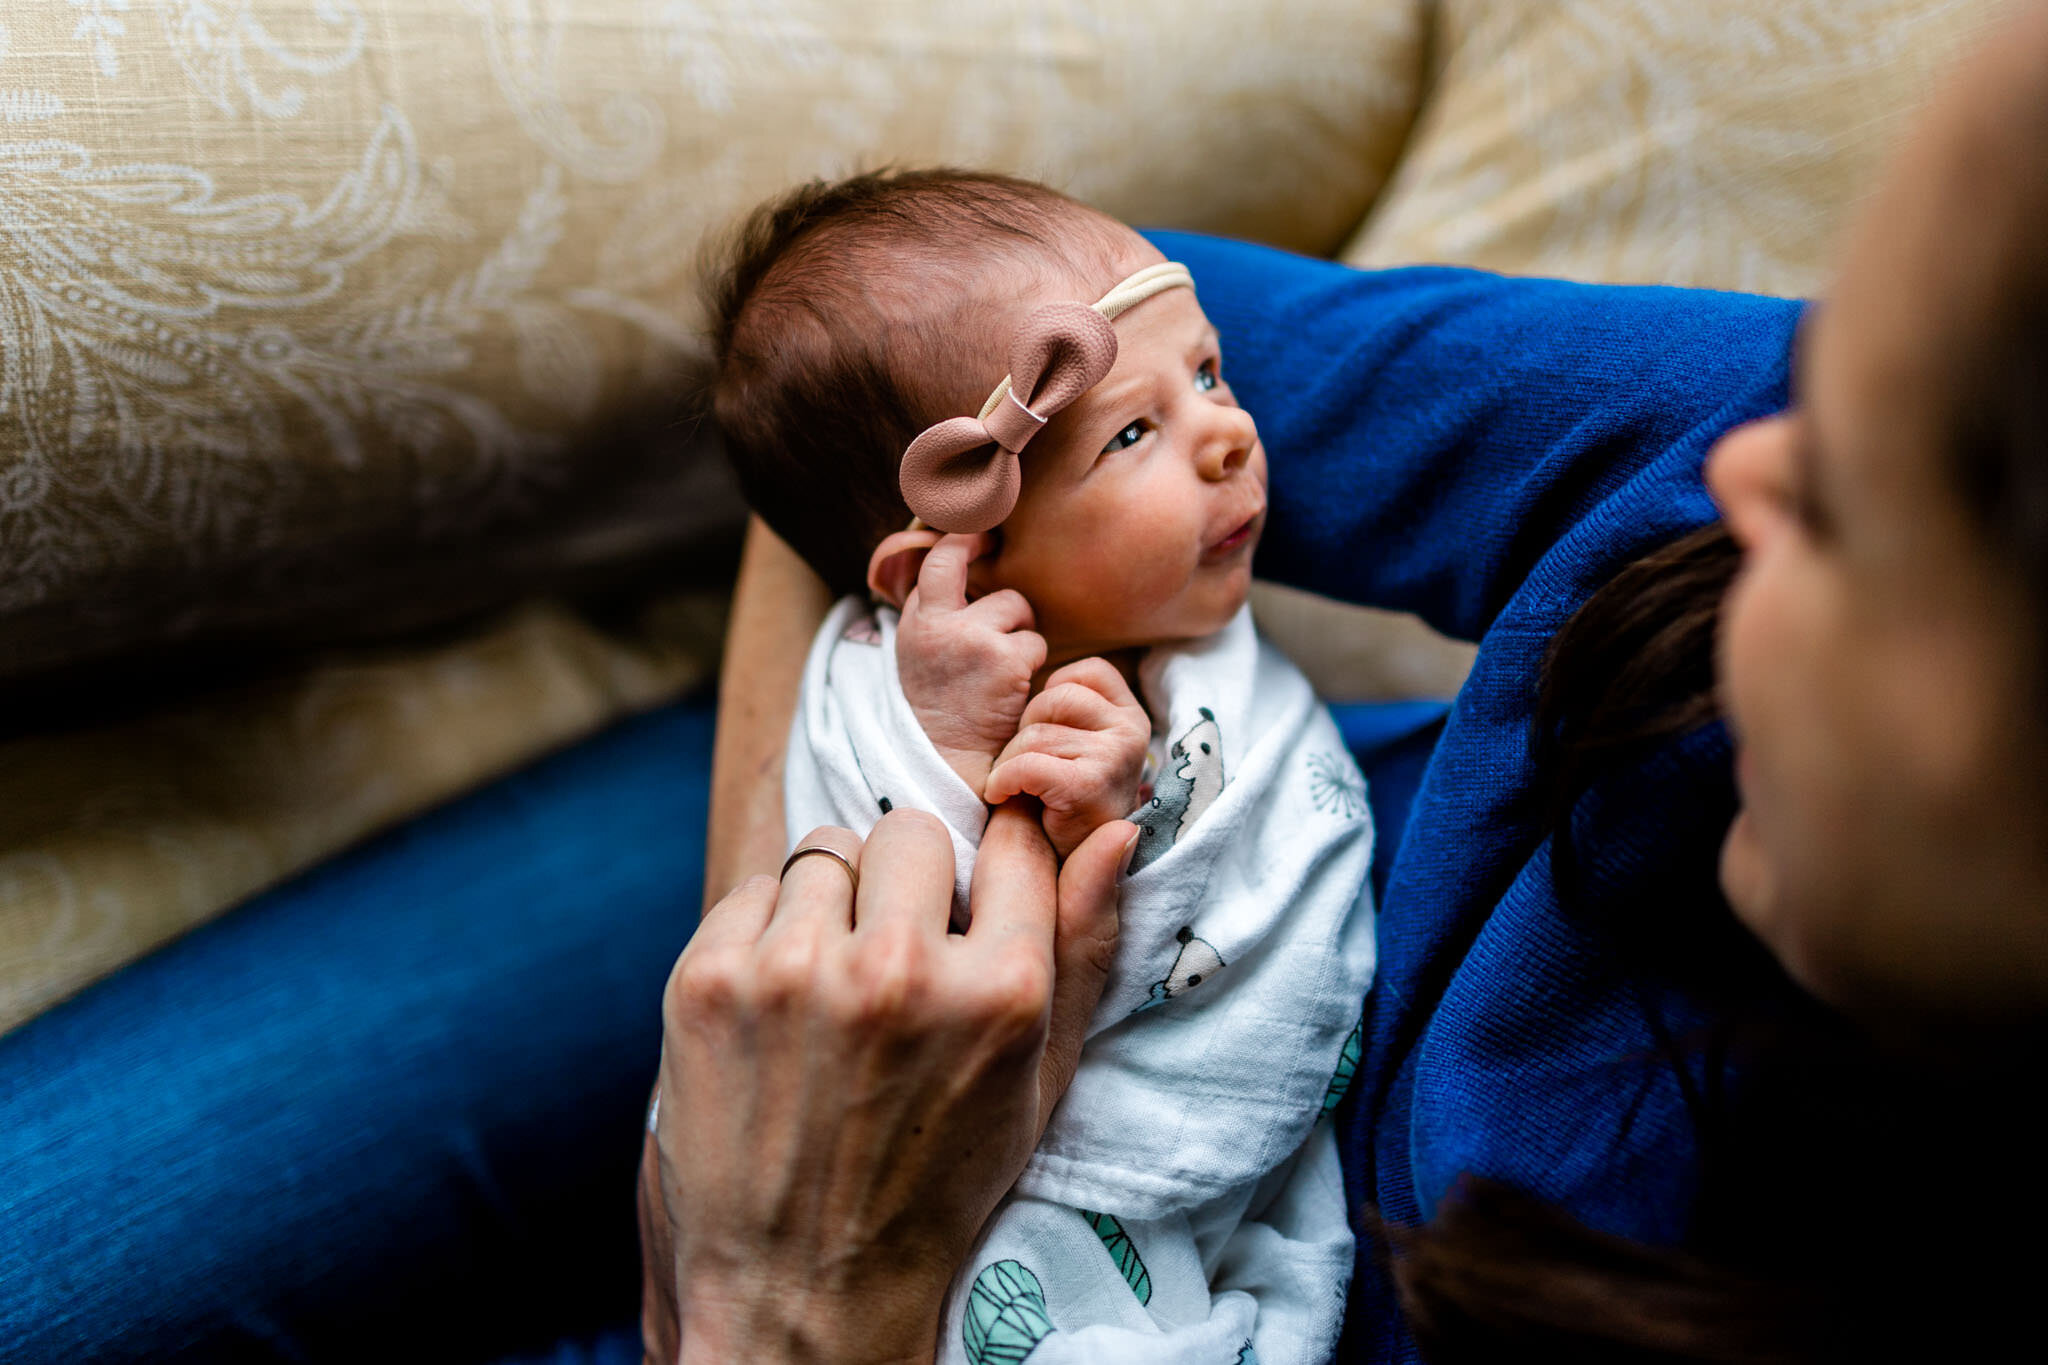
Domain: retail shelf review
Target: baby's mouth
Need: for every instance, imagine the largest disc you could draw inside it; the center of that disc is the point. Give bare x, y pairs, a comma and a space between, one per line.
1246, 532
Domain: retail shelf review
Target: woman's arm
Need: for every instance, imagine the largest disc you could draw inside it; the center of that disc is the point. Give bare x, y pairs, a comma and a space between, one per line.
1433, 434
776, 609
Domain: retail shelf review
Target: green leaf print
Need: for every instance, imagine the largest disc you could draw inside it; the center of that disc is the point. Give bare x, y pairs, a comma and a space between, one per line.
1247, 1356
1123, 1252
1347, 1067
1006, 1317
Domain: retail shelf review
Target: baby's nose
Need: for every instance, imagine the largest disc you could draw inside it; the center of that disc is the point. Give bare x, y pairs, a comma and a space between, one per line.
1228, 443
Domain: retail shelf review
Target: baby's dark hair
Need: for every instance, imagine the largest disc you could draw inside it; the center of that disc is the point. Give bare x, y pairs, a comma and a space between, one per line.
849, 316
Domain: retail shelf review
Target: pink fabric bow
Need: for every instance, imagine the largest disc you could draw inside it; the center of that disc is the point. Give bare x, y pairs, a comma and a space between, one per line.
963, 474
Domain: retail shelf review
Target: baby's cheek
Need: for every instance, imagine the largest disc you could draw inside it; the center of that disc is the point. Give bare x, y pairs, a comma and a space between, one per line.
1110, 569
1144, 569
1094, 601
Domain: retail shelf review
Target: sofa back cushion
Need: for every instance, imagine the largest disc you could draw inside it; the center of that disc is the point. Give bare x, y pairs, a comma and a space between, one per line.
334, 317
1721, 144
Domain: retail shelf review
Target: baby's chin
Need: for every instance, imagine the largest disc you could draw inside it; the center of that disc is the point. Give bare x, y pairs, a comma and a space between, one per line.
1221, 602
1194, 626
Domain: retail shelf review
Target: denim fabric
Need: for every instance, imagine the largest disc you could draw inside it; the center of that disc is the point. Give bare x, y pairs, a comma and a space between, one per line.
618, 1344
391, 1109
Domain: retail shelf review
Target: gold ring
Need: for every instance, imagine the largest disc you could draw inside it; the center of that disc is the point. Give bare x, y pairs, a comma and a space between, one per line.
852, 873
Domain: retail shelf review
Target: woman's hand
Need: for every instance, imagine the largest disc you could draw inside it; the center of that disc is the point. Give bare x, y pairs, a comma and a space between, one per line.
966, 667
1080, 749
849, 1090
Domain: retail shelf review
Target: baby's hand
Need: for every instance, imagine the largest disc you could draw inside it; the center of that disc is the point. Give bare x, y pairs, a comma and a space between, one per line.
1080, 750
966, 666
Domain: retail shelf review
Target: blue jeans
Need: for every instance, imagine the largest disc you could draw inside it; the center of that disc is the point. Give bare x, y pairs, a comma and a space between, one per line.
393, 1108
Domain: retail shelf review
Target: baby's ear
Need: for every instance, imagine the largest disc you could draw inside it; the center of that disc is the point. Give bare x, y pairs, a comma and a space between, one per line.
892, 569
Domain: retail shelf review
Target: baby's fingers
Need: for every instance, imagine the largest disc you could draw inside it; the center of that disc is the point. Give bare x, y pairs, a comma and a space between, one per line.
1042, 775
1027, 651
1003, 610
1060, 741
1073, 705
1098, 675
942, 578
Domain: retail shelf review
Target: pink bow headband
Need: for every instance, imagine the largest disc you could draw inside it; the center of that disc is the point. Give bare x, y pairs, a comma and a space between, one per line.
963, 474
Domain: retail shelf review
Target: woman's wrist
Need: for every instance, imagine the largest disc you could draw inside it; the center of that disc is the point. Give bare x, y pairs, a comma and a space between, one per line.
777, 1325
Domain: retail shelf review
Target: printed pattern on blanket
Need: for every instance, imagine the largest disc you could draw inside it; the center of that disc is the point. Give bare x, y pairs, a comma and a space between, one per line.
1245, 949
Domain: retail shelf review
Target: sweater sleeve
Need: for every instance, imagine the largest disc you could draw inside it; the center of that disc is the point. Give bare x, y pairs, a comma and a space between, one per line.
1433, 433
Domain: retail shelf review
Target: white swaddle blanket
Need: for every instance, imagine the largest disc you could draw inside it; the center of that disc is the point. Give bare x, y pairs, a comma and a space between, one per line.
1184, 1204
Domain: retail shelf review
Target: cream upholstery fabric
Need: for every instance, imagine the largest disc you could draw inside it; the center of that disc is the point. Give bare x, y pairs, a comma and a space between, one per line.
116, 839
322, 315
295, 291
1715, 144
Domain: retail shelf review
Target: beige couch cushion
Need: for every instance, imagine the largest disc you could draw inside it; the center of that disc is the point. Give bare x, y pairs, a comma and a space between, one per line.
325, 312
1719, 143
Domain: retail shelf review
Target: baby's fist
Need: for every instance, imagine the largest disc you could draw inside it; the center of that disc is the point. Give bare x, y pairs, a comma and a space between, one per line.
966, 667
1080, 749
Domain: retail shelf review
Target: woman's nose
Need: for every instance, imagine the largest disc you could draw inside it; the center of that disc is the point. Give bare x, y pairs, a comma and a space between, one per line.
1227, 443
1746, 473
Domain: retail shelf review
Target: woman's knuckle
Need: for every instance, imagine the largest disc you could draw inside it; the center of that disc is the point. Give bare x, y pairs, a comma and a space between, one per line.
906, 818
887, 978
1015, 993
787, 968
834, 835
679, 996
704, 984
1097, 952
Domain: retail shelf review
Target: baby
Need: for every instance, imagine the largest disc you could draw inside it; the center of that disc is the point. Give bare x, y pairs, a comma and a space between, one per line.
997, 420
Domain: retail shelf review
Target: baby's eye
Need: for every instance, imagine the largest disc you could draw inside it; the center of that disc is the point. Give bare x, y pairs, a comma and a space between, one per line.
1209, 376
1127, 438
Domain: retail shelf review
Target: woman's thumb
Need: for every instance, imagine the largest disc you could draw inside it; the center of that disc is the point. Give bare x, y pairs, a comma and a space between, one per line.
1084, 940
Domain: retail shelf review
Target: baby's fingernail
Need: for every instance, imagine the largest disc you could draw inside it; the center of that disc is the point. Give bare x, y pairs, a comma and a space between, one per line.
1123, 864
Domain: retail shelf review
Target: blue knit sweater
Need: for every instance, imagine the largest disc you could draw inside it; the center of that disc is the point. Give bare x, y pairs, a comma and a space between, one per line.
1487, 452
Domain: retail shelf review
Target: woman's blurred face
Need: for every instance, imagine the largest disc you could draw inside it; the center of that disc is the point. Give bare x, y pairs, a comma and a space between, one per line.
1877, 662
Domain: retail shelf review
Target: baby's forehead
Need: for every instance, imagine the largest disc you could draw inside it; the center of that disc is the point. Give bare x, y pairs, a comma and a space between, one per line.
1162, 334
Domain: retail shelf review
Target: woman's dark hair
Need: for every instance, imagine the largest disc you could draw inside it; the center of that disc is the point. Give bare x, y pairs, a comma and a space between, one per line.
1634, 666
847, 316
1498, 1275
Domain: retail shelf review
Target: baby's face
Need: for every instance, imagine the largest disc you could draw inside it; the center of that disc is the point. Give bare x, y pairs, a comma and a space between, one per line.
1143, 500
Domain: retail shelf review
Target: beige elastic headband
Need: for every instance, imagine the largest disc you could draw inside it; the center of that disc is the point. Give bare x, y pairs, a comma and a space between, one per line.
963, 474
